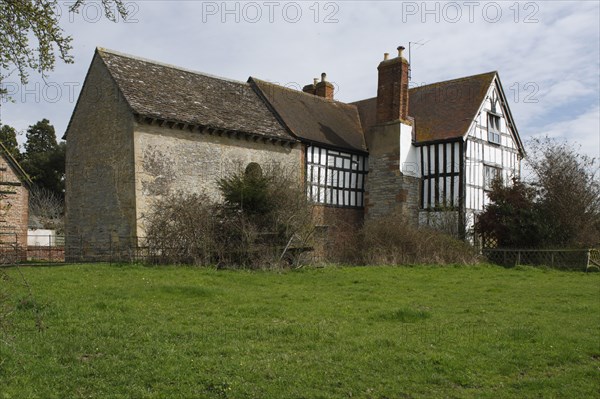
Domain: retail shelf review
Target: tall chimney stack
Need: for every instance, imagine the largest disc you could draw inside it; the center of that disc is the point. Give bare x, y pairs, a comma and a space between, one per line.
324, 88
392, 88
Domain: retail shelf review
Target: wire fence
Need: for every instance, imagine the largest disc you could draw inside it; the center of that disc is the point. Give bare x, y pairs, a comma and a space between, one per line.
54, 249
51, 249
568, 259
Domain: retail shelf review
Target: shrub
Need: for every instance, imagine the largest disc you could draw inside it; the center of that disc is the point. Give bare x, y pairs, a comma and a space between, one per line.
559, 207
264, 221
181, 228
394, 240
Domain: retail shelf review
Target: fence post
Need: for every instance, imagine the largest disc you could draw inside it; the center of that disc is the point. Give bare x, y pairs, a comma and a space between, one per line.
518, 258
587, 259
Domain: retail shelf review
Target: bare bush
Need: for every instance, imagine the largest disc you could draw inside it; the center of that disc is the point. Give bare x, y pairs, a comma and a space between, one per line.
568, 189
46, 209
263, 222
181, 228
394, 240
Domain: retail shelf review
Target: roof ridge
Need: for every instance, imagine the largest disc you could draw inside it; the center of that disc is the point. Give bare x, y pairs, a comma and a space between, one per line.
429, 85
312, 96
167, 65
15, 164
453, 80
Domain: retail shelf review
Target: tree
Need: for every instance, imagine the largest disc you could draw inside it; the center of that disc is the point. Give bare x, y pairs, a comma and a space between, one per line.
569, 193
558, 208
8, 137
41, 138
23, 20
511, 218
44, 158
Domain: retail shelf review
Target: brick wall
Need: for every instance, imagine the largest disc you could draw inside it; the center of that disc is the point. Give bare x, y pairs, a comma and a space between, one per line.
14, 207
392, 90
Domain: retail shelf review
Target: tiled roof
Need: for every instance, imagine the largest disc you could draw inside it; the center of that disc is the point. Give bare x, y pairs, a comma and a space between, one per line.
170, 93
314, 119
19, 171
441, 111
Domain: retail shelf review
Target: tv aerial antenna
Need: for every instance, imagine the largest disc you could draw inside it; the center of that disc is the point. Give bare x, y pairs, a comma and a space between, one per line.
418, 44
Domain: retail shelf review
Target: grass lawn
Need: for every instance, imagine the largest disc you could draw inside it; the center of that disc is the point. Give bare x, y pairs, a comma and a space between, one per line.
351, 332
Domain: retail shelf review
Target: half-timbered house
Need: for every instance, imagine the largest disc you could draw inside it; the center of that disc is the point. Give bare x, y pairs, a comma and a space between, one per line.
462, 135
142, 129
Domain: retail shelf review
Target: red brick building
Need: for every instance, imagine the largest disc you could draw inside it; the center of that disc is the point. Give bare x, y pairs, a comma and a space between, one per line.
14, 205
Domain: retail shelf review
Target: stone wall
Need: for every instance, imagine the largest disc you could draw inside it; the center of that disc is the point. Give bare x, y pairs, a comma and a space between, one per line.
336, 232
100, 188
388, 190
173, 160
14, 207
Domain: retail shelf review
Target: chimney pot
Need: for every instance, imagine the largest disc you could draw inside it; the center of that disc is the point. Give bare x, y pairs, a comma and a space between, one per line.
400, 50
315, 81
323, 76
385, 56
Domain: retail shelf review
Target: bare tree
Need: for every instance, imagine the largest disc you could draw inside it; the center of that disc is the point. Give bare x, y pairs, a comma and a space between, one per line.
568, 189
46, 209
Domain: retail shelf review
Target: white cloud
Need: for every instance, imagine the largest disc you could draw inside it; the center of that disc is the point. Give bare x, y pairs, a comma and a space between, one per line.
583, 130
559, 53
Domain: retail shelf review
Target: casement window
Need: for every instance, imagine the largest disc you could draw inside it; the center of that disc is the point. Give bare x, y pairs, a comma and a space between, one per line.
489, 174
335, 177
494, 128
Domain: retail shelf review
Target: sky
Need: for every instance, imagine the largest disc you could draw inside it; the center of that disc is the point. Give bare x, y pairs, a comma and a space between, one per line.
547, 53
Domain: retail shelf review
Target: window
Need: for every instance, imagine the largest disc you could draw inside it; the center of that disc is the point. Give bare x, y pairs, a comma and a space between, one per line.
493, 128
335, 177
489, 174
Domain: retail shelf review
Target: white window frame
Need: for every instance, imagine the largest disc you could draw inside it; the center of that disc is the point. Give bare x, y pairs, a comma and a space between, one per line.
493, 124
490, 172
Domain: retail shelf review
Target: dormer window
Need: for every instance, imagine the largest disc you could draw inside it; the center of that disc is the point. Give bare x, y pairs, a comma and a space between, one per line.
493, 128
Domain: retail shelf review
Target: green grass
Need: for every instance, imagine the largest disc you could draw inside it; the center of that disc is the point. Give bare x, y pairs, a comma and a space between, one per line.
370, 332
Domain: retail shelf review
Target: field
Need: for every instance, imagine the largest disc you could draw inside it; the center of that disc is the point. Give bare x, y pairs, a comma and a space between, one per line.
107, 331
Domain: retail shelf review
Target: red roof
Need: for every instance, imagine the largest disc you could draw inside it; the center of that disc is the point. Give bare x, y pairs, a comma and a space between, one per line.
441, 111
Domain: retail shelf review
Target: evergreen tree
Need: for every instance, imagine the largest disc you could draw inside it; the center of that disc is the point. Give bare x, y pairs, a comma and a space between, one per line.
512, 217
8, 137
41, 138
44, 158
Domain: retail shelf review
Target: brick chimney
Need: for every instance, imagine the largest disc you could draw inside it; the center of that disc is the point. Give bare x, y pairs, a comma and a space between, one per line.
310, 89
324, 88
392, 88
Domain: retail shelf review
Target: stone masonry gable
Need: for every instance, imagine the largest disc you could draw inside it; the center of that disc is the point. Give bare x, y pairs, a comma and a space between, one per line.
170, 93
